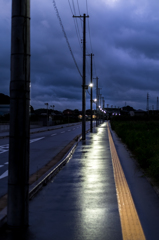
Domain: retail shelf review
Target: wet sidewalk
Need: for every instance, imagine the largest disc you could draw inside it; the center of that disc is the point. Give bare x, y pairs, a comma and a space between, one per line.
80, 202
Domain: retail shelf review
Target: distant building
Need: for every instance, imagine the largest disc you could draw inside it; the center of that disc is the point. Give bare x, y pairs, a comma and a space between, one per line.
68, 112
112, 112
140, 112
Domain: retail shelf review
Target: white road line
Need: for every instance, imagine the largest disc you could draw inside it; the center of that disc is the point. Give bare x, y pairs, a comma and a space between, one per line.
5, 148
53, 134
7, 163
5, 174
36, 139
63, 132
2, 151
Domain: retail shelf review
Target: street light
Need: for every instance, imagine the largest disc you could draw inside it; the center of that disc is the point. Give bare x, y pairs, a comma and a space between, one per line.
91, 85
91, 101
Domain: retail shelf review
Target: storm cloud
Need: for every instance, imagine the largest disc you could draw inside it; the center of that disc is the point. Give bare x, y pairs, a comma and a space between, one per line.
125, 42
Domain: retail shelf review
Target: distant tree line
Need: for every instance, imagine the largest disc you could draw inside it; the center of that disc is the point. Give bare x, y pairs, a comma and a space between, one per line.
4, 99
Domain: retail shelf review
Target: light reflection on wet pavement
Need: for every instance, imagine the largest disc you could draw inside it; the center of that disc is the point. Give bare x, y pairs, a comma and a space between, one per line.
80, 202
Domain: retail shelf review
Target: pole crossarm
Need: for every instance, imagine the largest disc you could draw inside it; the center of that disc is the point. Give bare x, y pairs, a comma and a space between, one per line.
89, 55
80, 16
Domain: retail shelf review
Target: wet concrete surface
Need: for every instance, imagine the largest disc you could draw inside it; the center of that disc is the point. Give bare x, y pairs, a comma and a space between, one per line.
80, 202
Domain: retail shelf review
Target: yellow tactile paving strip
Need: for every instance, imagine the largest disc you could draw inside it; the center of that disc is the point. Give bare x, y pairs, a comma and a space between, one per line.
130, 223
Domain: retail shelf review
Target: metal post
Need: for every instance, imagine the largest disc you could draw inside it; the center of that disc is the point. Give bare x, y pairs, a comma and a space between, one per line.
18, 178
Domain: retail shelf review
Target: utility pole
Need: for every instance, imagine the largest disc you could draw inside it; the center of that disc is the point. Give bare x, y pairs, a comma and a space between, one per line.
84, 77
103, 107
100, 96
97, 101
103, 102
91, 98
19, 139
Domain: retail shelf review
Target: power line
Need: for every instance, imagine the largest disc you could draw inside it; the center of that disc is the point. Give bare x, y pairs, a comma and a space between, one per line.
70, 6
79, 12
90, 36
76, 25
78, 7
60, 21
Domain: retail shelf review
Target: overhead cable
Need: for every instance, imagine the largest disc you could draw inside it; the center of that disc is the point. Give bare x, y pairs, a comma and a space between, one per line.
60, 21
90, 34
70, 6
79, 12
76, 25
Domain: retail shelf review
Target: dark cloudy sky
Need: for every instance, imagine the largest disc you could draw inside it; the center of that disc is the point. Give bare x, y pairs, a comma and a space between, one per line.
125, 42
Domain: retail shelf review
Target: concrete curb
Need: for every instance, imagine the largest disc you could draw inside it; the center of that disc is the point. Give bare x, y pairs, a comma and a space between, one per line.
34, 188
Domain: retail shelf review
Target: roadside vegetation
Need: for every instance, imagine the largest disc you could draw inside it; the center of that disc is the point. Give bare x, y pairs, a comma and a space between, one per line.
141, 135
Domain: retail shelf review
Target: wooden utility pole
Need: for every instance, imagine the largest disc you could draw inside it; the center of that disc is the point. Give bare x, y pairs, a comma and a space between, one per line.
19, 140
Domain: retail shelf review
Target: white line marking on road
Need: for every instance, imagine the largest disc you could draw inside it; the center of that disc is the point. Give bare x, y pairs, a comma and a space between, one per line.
5, 148
5, 174
73, 128
63, 132
36, 139
53, 134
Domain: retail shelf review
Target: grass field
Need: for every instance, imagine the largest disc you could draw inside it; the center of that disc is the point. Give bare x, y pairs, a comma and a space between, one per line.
142, 138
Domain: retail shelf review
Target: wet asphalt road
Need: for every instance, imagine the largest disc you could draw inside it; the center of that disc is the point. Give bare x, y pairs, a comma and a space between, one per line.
43, 147
80, 202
